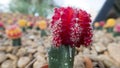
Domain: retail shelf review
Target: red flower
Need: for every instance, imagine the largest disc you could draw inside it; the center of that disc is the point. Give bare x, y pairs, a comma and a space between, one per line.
1, 24
117, 28
71, 27
102, 23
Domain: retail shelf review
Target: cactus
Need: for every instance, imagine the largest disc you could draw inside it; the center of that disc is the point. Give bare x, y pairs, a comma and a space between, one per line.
22, 24
2, 26
61, 57
42, 26
117, 30
110, 23
70, 28
30, 25
14, 32
99, 25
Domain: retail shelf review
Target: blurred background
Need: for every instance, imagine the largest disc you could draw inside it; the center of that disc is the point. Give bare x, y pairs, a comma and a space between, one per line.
45, 7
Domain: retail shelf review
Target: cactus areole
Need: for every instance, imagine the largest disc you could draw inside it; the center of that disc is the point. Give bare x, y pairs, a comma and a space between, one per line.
70, 28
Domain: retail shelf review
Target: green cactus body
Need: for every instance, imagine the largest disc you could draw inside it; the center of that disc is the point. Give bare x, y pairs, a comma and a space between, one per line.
30, 27
43, 33
16, 42
109, 30
61, 57
116, 34
99, 28
1, 28
23, 29
37, 28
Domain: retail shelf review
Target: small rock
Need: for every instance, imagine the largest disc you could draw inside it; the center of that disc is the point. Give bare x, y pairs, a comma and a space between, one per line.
2, 48
38, 64
2, 56
86, 51
113, 50
12, 57
88, 62
79, 62
109, 62
41, 58
21, 52
99, 47
7, 64
41, 50
31, 50
23, 61
9, 48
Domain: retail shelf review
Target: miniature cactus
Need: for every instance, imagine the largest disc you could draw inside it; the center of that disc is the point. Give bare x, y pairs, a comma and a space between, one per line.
99, 25
70, 28
30, 25
10, 22
22, 24
110, 23
42, 25
96, 25
37, 25
1, 26
102, 23
14, 32
117, 30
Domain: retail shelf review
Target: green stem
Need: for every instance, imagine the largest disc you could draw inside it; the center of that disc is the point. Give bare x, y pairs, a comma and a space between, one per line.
37, 28
23, 29
16, 42
116, 34
43, 33
61, 57
109, 30
1, 28
30, 27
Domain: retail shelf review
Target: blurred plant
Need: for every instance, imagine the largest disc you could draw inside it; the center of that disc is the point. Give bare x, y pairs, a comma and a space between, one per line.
96, 25
14, 32
30, 25
117, 30
70, 28
2, 26
41, 7
102, 23
110, 23
43, 25
99, 25
10, 22
22, 23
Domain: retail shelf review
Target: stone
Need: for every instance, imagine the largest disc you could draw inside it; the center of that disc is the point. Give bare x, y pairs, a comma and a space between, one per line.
2, 48
78, 62
113, 50
9, 48
88, 62
23, 61
41, 58
86, 51
11, 56
7, 64
31, 50
2, 57
41, 49
99, 47
38, 64
21, 52
107, 60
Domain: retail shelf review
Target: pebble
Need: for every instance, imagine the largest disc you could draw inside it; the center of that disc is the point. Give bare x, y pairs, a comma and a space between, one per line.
23, 61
